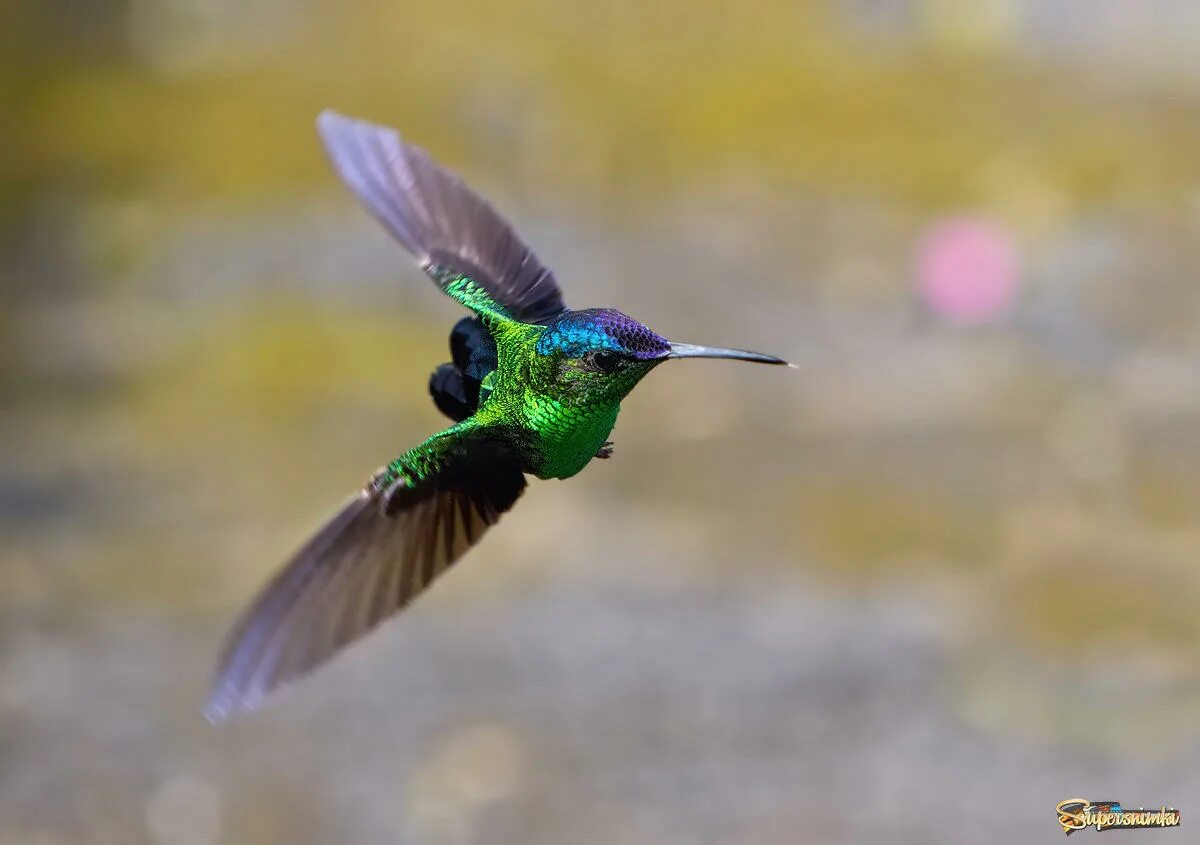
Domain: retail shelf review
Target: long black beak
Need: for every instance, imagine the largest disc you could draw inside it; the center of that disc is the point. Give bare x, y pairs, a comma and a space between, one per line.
687, 350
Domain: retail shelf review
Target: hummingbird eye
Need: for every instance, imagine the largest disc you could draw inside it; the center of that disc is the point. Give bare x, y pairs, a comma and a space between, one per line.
603, 361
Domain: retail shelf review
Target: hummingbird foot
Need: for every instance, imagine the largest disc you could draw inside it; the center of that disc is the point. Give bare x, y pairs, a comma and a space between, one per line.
605, 450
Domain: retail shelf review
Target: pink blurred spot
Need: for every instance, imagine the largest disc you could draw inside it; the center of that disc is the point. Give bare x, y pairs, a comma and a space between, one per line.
967, 270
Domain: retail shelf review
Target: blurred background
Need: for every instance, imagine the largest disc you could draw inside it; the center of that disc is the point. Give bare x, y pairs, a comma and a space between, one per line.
928, 586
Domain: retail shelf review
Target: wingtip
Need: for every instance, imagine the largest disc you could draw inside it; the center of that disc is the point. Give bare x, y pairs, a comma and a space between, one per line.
215, 715
330, 120
337, 130
221, 707
228, 699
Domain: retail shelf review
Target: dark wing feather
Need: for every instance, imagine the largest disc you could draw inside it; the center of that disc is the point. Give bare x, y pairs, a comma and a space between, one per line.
365, 564
437, 218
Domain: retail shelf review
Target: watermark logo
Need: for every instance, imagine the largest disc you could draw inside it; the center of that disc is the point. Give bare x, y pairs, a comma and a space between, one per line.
1079, 813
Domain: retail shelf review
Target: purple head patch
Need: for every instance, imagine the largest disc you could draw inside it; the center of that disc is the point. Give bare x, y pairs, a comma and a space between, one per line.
578, 332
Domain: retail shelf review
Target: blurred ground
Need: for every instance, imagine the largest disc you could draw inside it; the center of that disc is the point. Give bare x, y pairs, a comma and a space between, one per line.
940, 579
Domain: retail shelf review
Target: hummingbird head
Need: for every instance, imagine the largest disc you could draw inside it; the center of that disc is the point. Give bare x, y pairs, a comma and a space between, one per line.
601, 353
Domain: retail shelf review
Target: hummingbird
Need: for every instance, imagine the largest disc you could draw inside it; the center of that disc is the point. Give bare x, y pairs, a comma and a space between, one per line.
532, 388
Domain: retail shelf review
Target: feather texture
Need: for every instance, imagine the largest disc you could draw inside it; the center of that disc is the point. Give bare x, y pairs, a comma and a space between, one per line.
385, 546
437, 218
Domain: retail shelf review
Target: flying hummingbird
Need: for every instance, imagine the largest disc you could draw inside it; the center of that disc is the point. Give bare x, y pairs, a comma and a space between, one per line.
533, 388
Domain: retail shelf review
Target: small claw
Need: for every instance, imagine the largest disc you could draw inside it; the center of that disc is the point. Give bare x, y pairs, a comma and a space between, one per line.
605, 450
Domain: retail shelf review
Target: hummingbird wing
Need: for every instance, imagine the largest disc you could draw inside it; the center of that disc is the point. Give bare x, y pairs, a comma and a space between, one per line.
443, 223
380, 550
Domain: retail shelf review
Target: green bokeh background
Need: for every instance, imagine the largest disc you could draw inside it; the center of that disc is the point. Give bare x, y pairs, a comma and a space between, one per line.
938, 566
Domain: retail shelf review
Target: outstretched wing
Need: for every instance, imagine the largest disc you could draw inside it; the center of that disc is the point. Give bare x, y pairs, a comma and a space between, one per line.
382, 548
450, 230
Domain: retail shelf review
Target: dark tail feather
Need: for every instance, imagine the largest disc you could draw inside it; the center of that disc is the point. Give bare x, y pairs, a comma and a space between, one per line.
472, 348
455, 386
451, 392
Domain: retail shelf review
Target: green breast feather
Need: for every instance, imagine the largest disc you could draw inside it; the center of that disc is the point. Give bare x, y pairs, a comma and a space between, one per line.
556, 435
